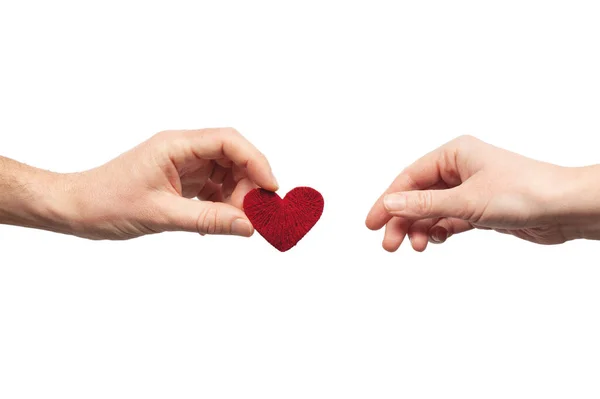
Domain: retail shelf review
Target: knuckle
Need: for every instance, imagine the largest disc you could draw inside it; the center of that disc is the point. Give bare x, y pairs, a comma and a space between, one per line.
466, 141
262, 157
161, 138
159, 146
172, 141
201, 132
165, 139
164, 135
405, 179
466, 138
228, 132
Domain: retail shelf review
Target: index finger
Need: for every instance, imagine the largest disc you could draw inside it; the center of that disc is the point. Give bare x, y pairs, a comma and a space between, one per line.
422, 174
228, 143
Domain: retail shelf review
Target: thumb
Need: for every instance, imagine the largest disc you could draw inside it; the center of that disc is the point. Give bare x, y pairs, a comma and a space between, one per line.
427, 204
205, 217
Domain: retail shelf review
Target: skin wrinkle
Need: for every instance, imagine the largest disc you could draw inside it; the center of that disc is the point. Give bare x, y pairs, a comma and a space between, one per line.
202, 226
447, 170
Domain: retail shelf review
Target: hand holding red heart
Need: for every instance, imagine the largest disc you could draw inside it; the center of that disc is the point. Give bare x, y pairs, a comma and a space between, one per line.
152, 188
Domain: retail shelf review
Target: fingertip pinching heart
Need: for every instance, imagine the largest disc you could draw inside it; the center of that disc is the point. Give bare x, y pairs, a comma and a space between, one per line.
284, 222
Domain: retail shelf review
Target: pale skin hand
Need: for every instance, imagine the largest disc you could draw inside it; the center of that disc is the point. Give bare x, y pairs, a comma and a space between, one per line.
468, 184
189, 180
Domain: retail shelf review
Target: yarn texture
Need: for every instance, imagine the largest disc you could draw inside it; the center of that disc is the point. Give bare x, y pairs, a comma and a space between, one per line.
283, 222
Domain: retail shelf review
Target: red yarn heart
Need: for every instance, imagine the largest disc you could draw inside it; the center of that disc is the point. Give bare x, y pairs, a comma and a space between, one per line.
283, 222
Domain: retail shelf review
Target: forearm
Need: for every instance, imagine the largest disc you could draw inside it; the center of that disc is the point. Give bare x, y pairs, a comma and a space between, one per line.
32, 197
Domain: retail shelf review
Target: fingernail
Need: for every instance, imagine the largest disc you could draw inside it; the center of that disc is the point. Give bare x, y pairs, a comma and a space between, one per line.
241, 227
439, 235
394, 202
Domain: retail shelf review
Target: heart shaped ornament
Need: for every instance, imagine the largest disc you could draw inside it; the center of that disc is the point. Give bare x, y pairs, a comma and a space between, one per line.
283, 222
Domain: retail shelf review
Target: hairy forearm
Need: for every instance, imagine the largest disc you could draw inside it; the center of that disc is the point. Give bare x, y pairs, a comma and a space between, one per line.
32, 197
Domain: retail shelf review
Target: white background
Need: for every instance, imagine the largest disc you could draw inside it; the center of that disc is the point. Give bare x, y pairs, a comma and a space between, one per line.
340, 96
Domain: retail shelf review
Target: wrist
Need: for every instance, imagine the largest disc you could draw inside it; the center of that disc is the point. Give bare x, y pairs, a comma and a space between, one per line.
57, 210
578, 203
